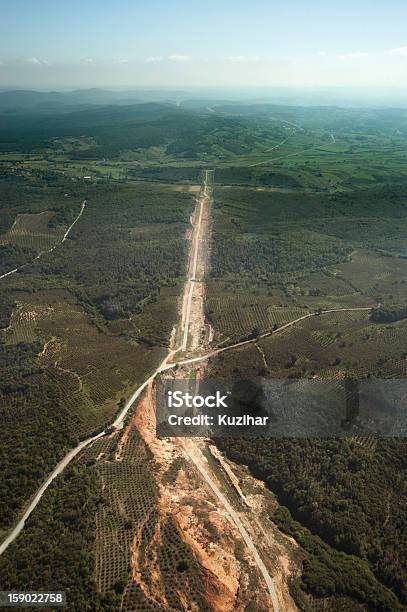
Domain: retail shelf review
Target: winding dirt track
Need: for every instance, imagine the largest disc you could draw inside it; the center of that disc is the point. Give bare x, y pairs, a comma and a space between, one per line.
65, 236
59, 468
264, 335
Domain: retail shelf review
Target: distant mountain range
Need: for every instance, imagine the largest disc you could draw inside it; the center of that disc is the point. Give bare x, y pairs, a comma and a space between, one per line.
45, 101
37, 102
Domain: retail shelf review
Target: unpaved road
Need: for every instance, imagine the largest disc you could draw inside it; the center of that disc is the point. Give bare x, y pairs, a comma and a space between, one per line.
166, 365
73, 223
65, 236
119, 420
264, 335
59, 468
203, 200
195, 456
117, 424
189, 445
273, 159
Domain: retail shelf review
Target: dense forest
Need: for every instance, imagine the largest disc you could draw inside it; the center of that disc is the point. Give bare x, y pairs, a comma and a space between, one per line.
36, 426
388, 314
114, 129
260, 236
56, 550
355, 501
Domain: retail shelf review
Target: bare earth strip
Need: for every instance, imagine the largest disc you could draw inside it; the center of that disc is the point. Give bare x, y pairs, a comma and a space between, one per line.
195, 456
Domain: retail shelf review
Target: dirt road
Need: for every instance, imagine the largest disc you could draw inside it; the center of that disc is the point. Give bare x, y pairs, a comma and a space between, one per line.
73, 223
59, 468
190, 446
230, 347
273, 159
195, 455
65, 236
118, 422
189, 289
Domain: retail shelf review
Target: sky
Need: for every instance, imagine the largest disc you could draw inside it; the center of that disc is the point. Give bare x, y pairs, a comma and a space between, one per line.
209, 43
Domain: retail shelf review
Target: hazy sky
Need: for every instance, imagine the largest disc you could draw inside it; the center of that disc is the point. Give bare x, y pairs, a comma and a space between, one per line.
86, 43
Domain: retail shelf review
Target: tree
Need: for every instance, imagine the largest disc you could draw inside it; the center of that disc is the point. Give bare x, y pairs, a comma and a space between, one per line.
255, 333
